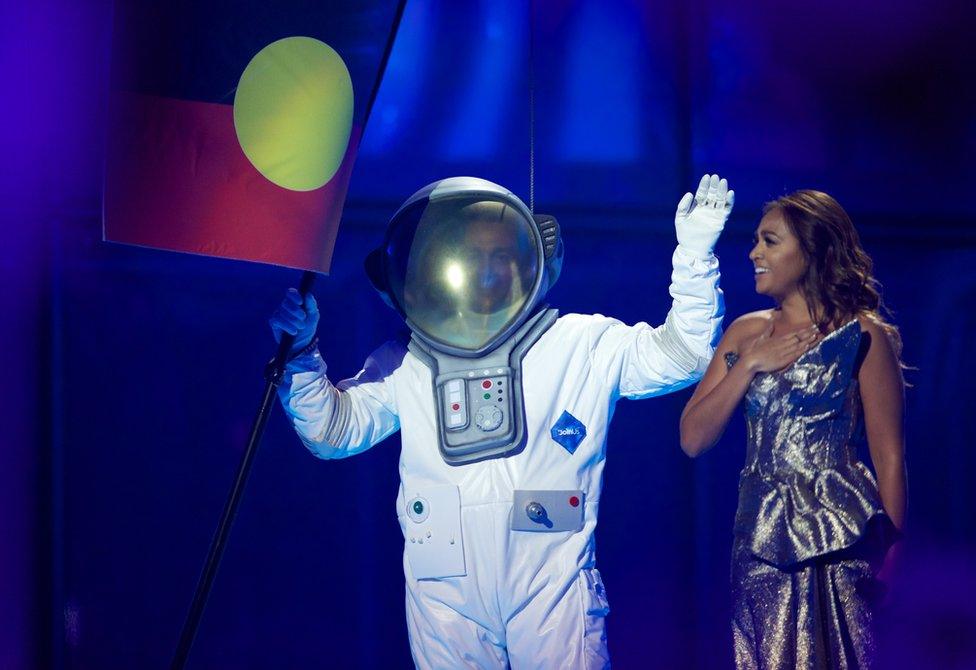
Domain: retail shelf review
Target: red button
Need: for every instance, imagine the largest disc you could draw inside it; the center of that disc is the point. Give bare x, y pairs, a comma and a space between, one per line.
455, 407
486, 384
574, 501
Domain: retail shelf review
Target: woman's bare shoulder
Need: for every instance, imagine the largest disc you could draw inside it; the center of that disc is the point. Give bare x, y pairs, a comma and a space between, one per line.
879, 337
747, 327
870, 323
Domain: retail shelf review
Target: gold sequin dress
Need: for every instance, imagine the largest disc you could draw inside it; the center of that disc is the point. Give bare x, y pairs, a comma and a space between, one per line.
810, 527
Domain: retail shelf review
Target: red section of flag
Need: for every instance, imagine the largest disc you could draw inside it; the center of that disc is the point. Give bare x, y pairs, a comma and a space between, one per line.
178, 179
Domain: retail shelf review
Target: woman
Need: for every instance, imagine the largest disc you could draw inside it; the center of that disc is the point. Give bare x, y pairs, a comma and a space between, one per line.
819, 372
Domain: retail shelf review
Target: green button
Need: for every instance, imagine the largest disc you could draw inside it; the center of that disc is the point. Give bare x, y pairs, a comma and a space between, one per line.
487, 396
418, 507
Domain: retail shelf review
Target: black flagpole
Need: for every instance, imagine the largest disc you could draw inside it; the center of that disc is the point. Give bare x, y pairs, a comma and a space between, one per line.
272, 375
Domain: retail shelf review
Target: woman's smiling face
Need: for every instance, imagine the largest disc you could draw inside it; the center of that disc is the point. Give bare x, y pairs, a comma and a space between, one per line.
777, 258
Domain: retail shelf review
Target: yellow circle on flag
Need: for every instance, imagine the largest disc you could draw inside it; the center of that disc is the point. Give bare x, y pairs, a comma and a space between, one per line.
293, 112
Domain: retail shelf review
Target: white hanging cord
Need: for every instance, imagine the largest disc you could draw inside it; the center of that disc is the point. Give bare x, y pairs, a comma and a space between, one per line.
531, 113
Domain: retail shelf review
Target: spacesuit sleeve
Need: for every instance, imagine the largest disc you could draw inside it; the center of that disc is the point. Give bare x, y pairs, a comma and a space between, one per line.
640, 361
335, 421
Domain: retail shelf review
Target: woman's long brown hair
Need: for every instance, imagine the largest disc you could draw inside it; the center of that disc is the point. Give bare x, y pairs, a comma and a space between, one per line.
839, 284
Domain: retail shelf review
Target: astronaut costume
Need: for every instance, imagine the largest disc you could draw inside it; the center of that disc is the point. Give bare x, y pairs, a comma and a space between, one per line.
503, 409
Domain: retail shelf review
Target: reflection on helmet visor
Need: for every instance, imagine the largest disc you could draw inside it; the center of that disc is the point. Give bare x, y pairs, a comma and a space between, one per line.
466, 272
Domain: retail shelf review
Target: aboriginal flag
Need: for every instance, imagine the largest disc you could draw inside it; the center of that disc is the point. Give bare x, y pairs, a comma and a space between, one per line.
234, 124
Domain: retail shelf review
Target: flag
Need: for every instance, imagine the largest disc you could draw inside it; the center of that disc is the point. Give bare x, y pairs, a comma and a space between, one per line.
234, 125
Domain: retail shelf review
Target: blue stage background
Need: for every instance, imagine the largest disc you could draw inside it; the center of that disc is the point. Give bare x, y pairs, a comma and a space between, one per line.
132, 375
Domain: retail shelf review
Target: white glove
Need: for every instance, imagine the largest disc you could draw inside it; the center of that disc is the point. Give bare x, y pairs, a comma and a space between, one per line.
700, 218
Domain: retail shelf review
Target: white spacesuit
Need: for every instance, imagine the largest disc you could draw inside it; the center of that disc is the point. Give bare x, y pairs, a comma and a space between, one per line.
499, 550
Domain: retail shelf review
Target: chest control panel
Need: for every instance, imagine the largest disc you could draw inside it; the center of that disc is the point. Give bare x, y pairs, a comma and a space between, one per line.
477, 401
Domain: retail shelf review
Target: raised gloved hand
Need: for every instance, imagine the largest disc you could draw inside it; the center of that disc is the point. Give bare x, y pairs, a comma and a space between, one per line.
700, 218
296, 318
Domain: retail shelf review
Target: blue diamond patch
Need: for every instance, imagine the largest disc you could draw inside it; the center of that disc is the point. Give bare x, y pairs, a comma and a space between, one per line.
568, 431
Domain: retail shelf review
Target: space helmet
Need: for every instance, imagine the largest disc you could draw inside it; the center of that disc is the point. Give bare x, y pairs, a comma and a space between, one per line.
465, 263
